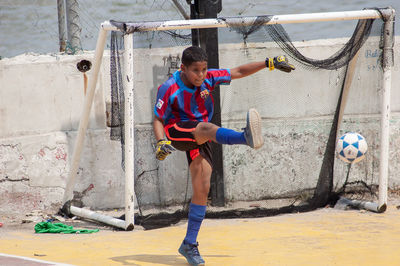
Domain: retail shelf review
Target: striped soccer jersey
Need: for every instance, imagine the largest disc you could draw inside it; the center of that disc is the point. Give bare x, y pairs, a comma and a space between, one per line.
176, 102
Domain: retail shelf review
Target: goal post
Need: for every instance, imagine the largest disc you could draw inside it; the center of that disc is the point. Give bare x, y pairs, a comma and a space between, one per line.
130, 28
129, 132
388, 43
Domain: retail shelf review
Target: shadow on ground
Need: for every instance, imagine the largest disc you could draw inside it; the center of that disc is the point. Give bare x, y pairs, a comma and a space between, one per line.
159, 259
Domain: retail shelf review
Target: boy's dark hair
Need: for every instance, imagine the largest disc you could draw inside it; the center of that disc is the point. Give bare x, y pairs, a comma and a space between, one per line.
193, 54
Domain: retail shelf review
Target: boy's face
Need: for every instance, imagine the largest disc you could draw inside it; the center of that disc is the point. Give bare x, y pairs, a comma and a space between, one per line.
195, 73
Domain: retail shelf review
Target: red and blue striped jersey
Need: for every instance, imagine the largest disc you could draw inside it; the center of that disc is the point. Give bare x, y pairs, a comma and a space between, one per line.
176, 102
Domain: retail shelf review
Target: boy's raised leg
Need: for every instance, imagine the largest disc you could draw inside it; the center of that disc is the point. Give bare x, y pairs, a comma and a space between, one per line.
251, 136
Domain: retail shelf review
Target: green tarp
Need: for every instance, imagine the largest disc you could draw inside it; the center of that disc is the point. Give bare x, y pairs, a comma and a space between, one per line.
47, 227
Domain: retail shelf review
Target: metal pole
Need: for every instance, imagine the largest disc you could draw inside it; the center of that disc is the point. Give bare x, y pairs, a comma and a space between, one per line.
88, 214
129, 131
387, 63
181, 9
101, 41
61, 24
73, 26
245, 21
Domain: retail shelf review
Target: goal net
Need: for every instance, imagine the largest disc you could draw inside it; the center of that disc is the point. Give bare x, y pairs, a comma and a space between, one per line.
337, 87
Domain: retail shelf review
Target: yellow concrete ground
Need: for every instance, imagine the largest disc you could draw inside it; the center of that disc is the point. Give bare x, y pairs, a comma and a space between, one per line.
322, 237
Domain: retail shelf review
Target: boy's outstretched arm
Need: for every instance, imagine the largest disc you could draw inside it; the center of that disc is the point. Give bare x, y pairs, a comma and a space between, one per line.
247, 69
278, 62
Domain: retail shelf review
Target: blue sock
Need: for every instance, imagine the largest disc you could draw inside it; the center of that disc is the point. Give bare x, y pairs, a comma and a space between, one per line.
196, 216
229, 136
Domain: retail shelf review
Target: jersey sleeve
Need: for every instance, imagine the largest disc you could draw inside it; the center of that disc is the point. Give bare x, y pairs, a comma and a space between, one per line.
219, 77
161, 105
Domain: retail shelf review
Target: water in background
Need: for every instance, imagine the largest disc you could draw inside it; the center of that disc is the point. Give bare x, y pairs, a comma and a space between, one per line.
32, 25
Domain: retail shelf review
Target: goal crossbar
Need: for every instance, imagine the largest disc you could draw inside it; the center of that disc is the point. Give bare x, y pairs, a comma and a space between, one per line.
131, 27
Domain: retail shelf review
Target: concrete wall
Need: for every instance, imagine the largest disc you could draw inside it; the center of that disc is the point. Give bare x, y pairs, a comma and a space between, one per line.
41, 99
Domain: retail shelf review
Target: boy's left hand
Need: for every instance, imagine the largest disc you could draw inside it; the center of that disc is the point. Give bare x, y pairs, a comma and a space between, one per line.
164, 148
279, 62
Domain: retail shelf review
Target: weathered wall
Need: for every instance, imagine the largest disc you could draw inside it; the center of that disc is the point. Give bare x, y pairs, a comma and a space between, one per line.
41, 99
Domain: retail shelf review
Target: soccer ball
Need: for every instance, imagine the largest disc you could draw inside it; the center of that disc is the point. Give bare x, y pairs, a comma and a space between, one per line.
351, 147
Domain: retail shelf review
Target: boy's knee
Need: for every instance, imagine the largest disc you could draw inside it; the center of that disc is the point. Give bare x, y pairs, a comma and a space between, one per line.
205, 127
204, 132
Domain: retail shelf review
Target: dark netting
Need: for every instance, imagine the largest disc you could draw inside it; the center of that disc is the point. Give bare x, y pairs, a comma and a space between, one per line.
338, 60
117, 92
157, 209
154, 39
280, 36
246, 31
149, 39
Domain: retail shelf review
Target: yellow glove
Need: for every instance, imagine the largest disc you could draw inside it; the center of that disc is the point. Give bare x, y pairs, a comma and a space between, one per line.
164, 148
279, 62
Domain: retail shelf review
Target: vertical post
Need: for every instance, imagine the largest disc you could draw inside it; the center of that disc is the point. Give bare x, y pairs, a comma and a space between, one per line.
129, 125
61, 24
387, 63
195, 32
208, 40
98, 55
73, 26
346, 89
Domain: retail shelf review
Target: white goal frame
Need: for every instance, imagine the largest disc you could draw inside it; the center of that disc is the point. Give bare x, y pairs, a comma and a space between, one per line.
106, 26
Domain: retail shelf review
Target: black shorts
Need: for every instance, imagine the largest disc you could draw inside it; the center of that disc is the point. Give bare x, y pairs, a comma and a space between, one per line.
181, 136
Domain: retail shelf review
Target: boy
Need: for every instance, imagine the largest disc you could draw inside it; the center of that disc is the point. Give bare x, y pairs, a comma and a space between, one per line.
183, 110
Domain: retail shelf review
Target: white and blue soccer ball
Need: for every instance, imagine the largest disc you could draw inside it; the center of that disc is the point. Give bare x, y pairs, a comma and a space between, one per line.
351, 147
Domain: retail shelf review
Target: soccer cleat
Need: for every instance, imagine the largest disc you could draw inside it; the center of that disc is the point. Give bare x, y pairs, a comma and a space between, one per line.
191, 253
252, 132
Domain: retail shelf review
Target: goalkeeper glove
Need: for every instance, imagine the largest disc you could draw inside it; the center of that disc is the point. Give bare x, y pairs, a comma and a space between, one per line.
279, 62
164, 148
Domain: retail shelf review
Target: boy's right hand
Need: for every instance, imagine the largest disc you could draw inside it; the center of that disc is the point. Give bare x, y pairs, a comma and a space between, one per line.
164, 148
